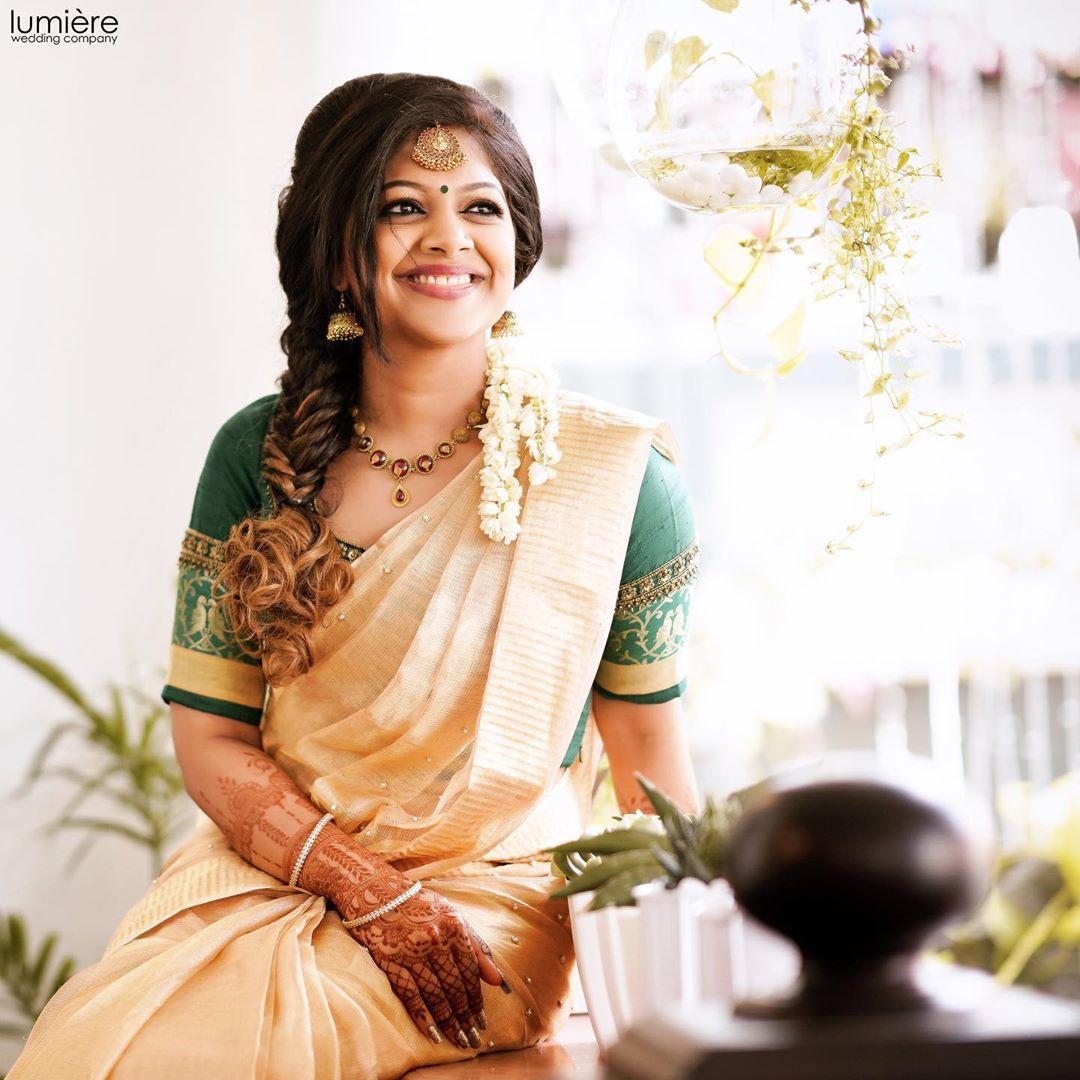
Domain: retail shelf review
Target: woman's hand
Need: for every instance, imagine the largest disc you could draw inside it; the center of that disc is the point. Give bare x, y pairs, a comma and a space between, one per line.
435, 962
432, 957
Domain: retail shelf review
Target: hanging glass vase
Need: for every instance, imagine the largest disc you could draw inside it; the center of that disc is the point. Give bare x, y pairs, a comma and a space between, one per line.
729, 104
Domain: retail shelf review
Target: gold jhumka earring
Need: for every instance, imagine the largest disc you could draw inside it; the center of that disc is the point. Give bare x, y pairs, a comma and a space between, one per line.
343, 325
438, 149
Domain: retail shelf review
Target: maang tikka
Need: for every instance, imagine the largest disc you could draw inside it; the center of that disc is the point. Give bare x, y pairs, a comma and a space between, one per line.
438, 149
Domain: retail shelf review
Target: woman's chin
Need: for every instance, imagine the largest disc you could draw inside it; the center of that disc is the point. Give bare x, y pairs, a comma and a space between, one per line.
433, 333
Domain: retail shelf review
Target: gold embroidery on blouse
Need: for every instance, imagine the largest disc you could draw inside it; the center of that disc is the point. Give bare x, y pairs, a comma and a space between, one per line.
198, 549
349, 552
660, 583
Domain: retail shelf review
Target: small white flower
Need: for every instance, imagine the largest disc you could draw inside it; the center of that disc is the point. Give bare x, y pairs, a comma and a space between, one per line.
538, 473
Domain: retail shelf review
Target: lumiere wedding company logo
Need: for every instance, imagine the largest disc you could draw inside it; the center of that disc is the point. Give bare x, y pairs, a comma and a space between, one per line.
71, 27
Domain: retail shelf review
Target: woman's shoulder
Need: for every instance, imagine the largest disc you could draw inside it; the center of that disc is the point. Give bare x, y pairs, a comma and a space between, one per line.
230, 485
663, 528
245, 430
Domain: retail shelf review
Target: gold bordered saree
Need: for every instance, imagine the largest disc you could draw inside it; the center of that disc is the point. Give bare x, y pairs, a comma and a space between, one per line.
434, 724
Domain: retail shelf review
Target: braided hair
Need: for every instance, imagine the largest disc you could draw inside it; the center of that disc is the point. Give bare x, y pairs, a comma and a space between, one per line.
284, 571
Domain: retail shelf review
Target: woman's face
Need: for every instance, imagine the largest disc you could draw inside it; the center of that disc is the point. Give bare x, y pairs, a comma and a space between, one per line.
433, 224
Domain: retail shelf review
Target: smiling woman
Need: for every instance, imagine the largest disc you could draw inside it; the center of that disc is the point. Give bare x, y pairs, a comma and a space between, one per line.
384, 707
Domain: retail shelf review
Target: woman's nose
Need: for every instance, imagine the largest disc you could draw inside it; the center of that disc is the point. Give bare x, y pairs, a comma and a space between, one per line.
446, 234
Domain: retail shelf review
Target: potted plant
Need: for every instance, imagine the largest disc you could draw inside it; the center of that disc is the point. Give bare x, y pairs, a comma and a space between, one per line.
653, 917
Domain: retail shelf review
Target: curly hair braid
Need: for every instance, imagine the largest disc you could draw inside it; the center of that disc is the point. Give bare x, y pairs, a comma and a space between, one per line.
284, 571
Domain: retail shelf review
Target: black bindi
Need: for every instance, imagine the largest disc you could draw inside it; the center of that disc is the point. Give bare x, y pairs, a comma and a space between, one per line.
444, 189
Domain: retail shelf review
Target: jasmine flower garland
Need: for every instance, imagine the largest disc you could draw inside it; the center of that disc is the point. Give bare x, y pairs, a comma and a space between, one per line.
522, 405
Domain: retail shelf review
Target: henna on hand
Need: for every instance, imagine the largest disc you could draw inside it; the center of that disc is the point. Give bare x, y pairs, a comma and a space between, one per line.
417, 944
263, 814
426, 940
424, 946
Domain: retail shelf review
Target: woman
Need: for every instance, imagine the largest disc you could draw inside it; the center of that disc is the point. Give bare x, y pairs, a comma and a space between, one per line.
382, 678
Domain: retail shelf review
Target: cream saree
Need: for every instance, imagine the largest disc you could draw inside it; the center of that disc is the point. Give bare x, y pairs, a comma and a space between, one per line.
432, 724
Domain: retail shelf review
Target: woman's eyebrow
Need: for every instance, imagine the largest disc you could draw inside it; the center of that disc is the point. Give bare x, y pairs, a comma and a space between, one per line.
424, 187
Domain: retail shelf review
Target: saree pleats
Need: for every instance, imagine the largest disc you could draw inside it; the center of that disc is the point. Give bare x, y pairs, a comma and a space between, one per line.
445, 688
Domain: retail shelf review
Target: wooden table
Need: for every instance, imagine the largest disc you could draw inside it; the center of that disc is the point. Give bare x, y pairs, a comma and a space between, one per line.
572, 1053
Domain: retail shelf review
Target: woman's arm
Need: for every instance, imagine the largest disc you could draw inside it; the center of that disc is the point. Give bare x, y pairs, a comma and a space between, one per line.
432, 957
650, 739
253, 801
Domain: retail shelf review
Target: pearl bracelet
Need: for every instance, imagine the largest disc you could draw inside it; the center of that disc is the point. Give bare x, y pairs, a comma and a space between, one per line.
388, 906
294, 877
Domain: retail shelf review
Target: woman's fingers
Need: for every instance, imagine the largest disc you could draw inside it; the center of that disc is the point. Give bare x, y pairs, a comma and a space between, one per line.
445, 966
470, 972
489, 970
404, 985
438, 1004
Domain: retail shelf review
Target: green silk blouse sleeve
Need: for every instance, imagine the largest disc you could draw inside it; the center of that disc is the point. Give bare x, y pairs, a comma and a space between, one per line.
208, 669
644, 659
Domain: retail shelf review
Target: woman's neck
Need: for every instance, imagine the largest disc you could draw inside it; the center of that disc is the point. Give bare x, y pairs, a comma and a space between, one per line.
423, 393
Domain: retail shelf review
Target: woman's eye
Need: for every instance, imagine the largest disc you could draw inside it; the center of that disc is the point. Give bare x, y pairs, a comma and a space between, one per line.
391, 208
405, 207
491, 209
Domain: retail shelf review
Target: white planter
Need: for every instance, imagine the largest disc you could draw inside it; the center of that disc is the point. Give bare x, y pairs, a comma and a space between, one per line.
674, 947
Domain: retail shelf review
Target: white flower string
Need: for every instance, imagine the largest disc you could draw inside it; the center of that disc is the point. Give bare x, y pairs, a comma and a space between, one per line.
522, 403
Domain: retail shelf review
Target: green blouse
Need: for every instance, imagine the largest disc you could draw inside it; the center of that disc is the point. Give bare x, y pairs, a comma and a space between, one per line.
643, 660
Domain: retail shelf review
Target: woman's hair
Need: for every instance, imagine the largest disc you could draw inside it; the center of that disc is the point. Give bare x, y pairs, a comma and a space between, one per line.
284, 571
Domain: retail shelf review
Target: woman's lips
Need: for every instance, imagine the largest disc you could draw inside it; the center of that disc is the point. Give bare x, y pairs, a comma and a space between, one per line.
442, 292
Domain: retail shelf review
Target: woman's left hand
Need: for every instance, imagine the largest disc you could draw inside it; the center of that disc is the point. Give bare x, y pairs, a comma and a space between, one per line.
435, 962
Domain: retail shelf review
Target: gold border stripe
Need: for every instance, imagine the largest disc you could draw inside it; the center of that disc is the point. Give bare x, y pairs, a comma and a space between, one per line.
198, 549
642, 678
216, 677
660, 583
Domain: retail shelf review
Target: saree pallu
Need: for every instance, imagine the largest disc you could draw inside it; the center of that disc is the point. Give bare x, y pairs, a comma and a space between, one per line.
432, 723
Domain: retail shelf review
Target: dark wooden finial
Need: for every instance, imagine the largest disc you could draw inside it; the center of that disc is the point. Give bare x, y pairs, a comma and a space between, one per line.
859, 875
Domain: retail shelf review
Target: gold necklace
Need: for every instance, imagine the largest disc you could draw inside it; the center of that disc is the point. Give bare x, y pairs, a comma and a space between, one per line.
400, 467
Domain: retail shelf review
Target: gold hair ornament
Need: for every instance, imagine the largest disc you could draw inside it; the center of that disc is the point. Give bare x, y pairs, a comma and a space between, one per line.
438, 149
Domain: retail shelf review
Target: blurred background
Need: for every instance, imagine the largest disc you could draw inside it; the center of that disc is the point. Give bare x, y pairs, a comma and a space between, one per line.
141, 308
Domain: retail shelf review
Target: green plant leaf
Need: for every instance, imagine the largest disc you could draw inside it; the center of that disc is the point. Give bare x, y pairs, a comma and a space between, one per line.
617, 890
656, 44
48, 671
605, 843
25, 980
763, 88
98, 825
41, 754
125, 749
686, 54
675, 822
668, 862
606, 868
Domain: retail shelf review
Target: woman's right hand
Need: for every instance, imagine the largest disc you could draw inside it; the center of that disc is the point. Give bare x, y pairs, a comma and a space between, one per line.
435, 962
